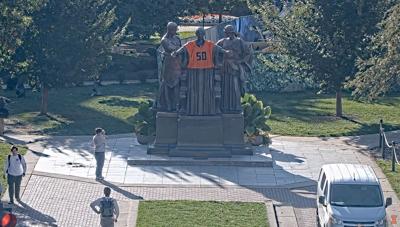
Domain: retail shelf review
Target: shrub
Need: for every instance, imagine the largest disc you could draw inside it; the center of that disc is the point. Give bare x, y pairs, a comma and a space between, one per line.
278, 73
255, 118
144, 121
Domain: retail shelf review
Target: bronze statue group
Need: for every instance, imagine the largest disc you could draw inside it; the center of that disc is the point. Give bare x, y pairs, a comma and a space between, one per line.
202, 77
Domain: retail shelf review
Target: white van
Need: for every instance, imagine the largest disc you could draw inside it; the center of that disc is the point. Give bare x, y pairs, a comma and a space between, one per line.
350, 195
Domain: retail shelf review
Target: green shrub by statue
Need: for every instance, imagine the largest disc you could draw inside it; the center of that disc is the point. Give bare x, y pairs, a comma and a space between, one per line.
144, 123
255, 120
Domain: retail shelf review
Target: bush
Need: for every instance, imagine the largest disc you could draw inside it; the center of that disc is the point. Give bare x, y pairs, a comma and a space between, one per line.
255, 118
144, 121
278, 73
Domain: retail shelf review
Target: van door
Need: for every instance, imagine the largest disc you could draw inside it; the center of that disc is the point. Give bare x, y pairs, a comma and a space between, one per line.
320, 192
325, 214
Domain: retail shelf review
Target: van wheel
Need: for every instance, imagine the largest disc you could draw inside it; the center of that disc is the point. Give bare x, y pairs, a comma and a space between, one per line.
316, 215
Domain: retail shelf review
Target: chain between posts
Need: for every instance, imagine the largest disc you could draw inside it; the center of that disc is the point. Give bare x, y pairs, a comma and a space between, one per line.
383, 142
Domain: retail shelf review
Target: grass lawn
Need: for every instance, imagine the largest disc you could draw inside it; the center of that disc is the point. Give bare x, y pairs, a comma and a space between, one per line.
195, 213
73, 111
186, 34
394, 177
4, 152
308, 114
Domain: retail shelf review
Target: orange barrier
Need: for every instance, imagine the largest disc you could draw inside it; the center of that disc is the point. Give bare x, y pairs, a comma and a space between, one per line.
8, 220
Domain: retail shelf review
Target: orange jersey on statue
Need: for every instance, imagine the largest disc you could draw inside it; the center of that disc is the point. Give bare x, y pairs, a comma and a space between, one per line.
200, 57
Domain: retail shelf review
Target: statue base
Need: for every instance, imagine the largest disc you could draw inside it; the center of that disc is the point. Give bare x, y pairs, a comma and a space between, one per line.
199, 136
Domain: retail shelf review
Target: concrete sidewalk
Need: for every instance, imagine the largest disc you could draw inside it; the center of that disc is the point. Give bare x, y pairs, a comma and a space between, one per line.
60, 165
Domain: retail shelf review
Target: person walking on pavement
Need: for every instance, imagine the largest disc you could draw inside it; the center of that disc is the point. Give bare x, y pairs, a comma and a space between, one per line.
15, 168
99, 143
107, 207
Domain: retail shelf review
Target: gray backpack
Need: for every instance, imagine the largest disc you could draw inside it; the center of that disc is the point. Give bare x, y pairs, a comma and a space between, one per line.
107, 207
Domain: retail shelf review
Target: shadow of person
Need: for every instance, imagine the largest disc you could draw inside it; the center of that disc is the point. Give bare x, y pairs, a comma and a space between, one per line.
123, 192
26, 213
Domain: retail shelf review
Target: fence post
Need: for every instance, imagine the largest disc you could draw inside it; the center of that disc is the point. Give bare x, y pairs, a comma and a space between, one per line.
383, 144
393, 157
380, 132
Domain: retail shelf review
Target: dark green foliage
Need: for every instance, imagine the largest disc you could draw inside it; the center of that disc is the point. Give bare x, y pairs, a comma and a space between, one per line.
278, 73
71, 40
379, 71
327, 37
15, 21
144, 120
255, 115
150, 16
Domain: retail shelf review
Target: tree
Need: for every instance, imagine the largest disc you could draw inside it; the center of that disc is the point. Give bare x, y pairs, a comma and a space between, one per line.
379, 71
327, 36
221, 6
71, 41
149, 17
15, 20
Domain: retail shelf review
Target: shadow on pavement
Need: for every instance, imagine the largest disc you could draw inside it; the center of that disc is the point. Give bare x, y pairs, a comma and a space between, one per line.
26, 213
123, 192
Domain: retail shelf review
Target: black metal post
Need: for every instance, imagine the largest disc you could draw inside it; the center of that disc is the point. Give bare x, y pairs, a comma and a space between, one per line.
393, 157
380, 133
383, 144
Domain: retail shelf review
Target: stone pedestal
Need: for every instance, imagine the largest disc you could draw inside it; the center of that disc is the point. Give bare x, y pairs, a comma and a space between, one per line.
234, 134
200, 136
166, 133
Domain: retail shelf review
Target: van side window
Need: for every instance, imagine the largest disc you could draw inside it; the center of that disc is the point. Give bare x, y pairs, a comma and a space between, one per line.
326, 190
322, 182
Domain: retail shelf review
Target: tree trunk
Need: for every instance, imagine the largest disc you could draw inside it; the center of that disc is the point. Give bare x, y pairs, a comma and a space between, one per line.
45, 99
1, 126
339, 108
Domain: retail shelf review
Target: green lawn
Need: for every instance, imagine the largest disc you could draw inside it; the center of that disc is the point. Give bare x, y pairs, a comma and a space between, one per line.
394, 177
4, 152
308, 114
186, 34
195, 213
73, 111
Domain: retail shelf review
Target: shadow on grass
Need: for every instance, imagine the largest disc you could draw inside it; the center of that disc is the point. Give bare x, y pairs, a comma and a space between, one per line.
72, 111
305, 109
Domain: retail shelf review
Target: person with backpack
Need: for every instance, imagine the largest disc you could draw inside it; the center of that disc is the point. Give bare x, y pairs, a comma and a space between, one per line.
15, 168
107, 207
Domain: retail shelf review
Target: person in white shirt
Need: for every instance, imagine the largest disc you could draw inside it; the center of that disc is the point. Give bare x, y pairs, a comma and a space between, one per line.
15, 168
107, 207
99, 143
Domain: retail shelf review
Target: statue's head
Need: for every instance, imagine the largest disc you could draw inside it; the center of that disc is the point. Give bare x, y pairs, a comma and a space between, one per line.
229, 31
200, 33
172, 28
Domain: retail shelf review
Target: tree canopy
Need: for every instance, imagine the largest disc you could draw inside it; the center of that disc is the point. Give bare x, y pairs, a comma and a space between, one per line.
327, 37
15, 21
379, 71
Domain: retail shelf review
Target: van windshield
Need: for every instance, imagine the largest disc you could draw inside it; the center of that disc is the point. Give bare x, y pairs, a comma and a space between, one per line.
356, 195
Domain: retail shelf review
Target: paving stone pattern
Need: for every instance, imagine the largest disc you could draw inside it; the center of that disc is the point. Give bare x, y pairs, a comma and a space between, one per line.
61, 202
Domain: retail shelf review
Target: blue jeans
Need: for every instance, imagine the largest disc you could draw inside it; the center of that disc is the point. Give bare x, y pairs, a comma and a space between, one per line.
100, 157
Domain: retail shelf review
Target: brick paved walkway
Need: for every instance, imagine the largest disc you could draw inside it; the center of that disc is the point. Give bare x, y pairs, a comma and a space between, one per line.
62, 202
